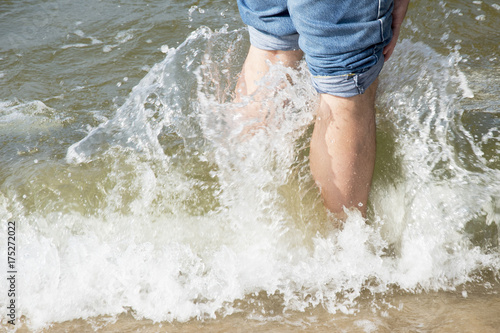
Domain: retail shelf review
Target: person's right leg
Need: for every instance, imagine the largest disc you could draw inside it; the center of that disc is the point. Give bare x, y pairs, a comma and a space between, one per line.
343, 43
342, 155
344, 60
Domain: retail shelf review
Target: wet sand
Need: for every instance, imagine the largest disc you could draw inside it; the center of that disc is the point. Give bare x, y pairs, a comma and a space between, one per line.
457, 311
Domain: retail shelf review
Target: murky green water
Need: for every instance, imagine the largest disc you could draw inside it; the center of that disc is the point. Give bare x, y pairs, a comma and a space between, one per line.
139, 207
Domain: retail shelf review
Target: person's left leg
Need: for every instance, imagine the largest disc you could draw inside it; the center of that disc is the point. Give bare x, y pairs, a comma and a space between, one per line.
249, 86
256, 67
273, 39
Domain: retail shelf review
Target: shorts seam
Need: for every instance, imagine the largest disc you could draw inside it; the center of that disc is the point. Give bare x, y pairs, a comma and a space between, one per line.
381, 28
340, 75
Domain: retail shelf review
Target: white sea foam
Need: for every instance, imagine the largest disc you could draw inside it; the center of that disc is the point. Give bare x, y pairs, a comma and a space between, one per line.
170, 211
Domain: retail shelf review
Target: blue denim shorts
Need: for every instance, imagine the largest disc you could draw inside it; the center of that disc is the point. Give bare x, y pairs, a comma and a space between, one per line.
342, 40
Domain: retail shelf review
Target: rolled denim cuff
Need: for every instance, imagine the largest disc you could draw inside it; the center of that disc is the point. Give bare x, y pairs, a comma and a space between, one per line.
348, 85
264, 41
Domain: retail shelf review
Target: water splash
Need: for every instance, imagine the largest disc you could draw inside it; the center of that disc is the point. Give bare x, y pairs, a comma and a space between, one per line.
170, 211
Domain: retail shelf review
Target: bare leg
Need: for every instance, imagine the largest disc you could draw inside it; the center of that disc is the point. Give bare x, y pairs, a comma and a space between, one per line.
342, 155
256, 67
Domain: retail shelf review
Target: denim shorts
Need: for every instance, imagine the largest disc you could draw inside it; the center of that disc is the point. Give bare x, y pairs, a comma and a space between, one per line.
342, 40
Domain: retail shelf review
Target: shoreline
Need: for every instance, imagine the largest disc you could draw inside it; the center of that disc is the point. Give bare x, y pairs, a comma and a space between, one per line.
442, 311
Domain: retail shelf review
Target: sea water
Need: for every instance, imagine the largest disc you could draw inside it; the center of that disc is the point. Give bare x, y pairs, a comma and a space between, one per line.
140, 197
